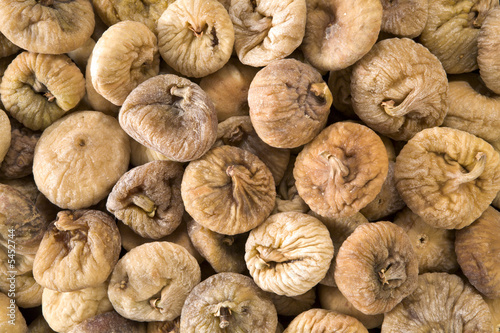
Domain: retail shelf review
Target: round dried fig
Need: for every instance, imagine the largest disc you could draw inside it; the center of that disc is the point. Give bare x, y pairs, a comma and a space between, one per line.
451, 32
65, 310
494, 305
228, 302
5, 139
109, 322
93, 98
441, 302
488, 43
72, 165
228, 190
151, 281
135, 46
340, 32
448, 177
289, 103
140, 154
28, 293
404, 18
321, 320
195, 37
7, 48
267, 30
11, 318
293, 306
478, 247
171, 115
399, 88
385, 263
79, 250
341, 170
47, 26
289, 253
148, 199
332, 299
287, 196
37, 89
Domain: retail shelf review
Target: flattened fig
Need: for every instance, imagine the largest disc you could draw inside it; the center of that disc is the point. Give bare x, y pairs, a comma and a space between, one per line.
321, 320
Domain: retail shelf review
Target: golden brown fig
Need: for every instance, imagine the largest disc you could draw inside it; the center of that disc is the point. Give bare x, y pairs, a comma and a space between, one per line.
404, 18
440, 302
25, 290
488, 42
339, 83
287, 196
7, 48
321, 320
385, 264
5, 139
494, 305
11, 318
294, 305
109, 322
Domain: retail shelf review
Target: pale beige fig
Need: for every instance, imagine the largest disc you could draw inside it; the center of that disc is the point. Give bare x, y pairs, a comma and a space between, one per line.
293, 306
37, 89
289, 103
7, 48
151, 281
82, 54
47, 26
80, 172
341, 170
125, 56
488, 42
11, 318
289, 253
441, 302
321, 320
404, 18
109, 322
195, 37
267, 30
340, 32
140, 154
228, 303
448, 177
65, 310
171, 115
6, 136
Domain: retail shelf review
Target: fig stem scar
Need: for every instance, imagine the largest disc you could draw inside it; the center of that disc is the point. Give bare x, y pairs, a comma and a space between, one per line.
223, 313
145, 204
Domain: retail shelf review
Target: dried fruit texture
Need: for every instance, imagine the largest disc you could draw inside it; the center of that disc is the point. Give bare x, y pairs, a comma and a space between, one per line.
289, 253
13, 313
332, 299
140, 154
442, 302
321, 320
267, 30
287, 196
293, 306
25, 185
404, 18
228, 190
239, 132
37, 89
434, 247
109, 321
72, 165
448, 177
96, 100
40, 325
147, 198
339, 83
28, 293
338, 33
5, 139
399, 88
494, 305
477, 247
82, 54
289, 103
135, 48
170, 326
79, 250
228, 302
172, 116
7, 48
385, 263
224, 253
341, 170
488, 43
146, 12
228, 88
65, 310
48, 26
151, 281
452, 30
195, 37
473, 108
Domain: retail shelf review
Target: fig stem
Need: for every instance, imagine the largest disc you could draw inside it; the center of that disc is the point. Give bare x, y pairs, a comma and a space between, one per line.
476, 171
224, 313
65, 221
145, 204
322, 91
391, 272
336, 165
400, 110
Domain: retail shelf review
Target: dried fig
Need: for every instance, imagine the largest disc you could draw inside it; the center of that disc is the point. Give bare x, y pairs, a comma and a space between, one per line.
152, 281
488, 43
47, 26
399, 88
65, 310
195, 37
441, 302
267, 30
28, 293
228, 190
136, 48
321, 320
79, 250
171, 115
169, 326
289, 253
385, 263
494, 305
287, 196
140, 154
7, 48
404, 18
109, 322
448, 177
339, 32
341, 170
37, 89
228, 302
434, 247
293, 306
477, 247
11, 318
96, 100
339, 83
80, 172
82, 54
5, 139
147, 198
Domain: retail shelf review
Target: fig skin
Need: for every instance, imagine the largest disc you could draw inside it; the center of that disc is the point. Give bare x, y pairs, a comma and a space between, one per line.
5, 139
109, 322
404, 18
488, 43
321, 320
20, 325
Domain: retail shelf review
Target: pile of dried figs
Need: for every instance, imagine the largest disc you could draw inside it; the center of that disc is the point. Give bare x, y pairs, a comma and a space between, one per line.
257, 166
